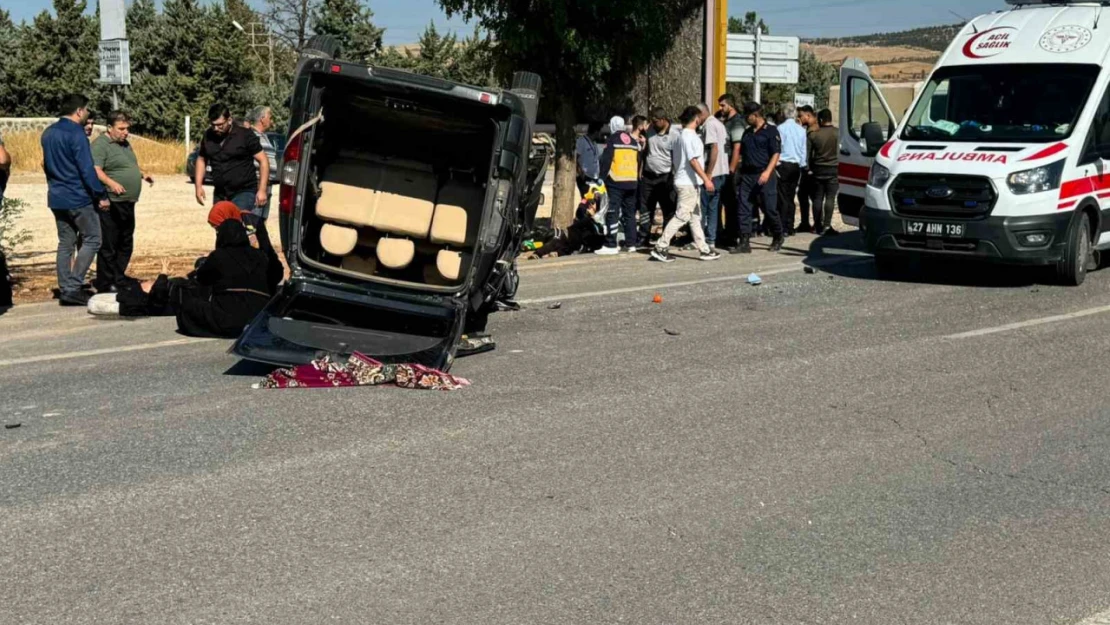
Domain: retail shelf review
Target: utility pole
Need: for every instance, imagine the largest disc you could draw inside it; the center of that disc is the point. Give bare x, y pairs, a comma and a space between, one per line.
260, 36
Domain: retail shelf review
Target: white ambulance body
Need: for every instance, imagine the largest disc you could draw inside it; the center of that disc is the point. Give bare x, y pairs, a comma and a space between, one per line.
1004, 154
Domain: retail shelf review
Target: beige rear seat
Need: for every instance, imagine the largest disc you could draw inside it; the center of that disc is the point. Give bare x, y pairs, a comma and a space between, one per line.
396, 253
359, 263
338, 240
387, 197
449, 264
450, 225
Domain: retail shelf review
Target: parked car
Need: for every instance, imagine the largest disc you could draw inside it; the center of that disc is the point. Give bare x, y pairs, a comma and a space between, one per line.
276, 138
404, 201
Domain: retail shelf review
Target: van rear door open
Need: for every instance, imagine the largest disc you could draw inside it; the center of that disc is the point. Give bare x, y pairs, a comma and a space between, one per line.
861, 102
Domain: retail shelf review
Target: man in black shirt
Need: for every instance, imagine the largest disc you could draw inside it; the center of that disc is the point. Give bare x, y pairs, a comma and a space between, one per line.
232, 151
760, 150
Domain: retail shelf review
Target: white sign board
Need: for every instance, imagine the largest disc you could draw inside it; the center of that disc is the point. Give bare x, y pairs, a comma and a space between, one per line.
804, 99
115, 62
113, 20
778, 59
742, 47
776, 72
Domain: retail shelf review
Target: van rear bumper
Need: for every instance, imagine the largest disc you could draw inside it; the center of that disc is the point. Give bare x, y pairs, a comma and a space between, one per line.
993, 239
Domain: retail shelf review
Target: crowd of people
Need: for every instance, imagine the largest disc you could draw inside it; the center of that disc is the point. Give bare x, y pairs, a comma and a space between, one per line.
724, 177
93, 189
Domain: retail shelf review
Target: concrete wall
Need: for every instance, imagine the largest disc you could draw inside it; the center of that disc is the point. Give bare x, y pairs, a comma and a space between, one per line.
674, 81
9, 125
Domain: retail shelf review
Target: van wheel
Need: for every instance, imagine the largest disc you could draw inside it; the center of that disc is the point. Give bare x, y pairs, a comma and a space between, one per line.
322, 47
890, 267
1072, 269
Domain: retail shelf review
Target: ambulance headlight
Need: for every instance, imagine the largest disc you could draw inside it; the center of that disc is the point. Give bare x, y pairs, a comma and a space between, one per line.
879, 176
1036, 180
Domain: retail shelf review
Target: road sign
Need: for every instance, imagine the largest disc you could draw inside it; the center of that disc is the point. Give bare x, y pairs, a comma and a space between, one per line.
776, 59
113, 19
804, 99
115, 62
742, 47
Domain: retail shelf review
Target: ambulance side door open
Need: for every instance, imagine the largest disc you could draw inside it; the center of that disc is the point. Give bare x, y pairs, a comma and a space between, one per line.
864, 114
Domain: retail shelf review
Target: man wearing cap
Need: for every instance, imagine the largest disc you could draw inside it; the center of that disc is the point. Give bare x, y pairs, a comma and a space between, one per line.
761, 147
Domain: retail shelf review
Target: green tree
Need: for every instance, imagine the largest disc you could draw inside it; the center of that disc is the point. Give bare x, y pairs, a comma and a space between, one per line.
581, 48
56, 56
9, 96
444, 56
352, 24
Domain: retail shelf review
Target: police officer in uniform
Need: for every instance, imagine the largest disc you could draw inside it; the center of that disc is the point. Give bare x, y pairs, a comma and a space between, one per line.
760, 149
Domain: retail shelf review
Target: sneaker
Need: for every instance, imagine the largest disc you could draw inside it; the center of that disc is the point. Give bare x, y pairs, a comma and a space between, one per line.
744, 247
608, 251
76, 298
628, 250
776, 244
103, 305
662, 256
710, 255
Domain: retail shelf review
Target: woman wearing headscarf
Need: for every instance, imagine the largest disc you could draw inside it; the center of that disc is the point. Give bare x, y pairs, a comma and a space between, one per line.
225, 291
620, 169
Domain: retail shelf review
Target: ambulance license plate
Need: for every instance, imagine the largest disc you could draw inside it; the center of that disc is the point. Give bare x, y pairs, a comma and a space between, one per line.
933, 229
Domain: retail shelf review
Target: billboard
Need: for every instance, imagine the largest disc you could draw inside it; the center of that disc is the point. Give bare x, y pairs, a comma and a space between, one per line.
115, 62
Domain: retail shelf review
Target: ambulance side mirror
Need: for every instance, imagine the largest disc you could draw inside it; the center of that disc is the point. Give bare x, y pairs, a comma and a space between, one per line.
873, 139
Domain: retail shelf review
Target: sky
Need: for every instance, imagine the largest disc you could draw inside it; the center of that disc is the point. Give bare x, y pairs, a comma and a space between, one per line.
404, 20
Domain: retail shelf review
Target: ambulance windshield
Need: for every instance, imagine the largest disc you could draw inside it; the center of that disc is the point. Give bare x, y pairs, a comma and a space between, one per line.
1001, 103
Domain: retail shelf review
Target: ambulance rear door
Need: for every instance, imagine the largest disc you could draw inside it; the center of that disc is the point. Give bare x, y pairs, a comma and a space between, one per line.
863, 111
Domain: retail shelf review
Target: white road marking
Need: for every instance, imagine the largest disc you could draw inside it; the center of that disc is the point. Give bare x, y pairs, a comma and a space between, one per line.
1030, 323
1102, 618
100, 352
774, 271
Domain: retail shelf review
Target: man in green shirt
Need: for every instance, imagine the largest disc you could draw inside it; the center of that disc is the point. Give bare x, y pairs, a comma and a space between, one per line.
118, 169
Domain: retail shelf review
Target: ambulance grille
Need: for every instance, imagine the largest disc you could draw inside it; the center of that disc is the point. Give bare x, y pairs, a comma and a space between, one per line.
942, 196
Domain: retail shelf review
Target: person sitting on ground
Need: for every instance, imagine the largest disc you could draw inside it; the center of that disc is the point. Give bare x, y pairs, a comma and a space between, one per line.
228, 288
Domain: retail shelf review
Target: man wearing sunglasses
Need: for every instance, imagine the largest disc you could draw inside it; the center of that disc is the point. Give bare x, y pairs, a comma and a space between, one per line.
232, 151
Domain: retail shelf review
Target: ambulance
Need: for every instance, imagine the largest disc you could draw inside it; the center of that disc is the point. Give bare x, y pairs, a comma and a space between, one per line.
1003, 156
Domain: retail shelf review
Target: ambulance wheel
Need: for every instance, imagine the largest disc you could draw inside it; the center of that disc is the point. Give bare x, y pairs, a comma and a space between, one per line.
1072, 269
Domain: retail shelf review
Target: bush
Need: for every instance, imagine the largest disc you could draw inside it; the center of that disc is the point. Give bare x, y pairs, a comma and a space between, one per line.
10, 236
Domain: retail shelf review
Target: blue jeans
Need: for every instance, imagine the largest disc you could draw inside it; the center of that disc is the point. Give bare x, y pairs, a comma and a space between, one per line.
86, 223
711, 209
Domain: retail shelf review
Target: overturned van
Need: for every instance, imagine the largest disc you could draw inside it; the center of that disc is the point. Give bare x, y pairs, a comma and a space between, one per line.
404, 200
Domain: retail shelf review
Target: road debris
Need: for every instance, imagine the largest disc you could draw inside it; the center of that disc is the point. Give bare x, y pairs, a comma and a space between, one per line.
810, 270
555, 306
658, 299
12, 426
672, 332
754, 280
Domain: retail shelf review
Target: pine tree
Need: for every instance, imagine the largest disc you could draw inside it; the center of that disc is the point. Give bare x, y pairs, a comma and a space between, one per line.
351, 23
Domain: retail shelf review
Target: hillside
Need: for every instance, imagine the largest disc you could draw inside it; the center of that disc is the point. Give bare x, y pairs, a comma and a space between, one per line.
888, 64
934, 38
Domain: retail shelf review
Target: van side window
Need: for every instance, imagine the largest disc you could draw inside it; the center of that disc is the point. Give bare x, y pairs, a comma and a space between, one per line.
864, 106
1098, 139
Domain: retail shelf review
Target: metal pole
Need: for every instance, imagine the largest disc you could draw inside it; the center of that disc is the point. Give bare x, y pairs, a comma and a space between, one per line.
270, 41
187, 146
757, 90
115, 98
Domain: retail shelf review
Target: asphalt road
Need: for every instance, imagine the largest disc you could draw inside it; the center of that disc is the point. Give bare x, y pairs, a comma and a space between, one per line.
825, 448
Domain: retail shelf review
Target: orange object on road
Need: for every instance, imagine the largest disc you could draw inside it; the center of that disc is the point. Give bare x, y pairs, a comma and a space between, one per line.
658, 299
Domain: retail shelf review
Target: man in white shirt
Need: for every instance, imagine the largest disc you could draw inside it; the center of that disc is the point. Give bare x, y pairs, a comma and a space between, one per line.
689, 176
790, 167
716, 165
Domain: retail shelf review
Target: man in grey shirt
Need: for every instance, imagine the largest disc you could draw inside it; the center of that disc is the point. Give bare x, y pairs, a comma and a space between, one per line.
657, 179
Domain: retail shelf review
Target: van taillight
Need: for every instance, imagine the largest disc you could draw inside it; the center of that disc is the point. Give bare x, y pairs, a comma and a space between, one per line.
290, 162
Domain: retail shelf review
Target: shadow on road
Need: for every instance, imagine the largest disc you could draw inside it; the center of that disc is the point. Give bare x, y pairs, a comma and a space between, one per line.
250, 369
921, 271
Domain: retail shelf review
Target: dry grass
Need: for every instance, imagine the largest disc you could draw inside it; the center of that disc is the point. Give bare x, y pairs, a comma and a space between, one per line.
155, 156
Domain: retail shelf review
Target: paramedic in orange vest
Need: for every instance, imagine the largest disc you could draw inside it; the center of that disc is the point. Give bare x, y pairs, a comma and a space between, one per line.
620, 168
